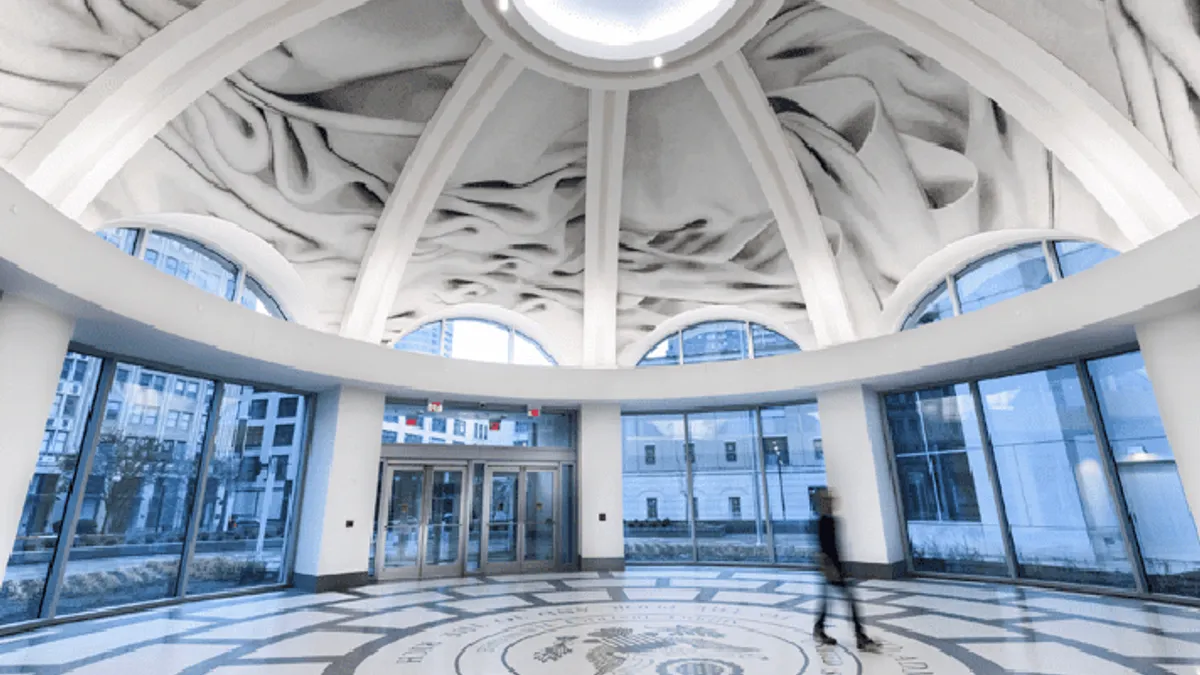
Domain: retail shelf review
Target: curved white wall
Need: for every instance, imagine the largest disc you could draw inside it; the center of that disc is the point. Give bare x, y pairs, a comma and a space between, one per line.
128, 307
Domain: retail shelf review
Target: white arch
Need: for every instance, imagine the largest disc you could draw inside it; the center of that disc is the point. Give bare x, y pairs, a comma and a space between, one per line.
957, 255
563, 353
1134, 183
633, 353
78, 151
260, 259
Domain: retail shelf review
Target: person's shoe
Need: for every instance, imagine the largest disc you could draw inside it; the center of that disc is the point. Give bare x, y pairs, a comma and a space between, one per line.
822, 638
866, 644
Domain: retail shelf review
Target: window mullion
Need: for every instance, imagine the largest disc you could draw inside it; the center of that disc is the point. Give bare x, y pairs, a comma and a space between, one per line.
952, 289
989, 456
193, 525
1052, 262
78, 490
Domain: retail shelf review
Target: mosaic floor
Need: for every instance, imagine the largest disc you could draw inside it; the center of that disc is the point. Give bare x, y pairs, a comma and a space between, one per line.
645, 621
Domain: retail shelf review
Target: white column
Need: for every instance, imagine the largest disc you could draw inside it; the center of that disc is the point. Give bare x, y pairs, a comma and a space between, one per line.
602, 526
1171, 349
33, 343
337, 512
858, 474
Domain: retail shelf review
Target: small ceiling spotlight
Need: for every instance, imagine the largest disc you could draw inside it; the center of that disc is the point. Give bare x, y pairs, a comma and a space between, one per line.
657, 62
502, 5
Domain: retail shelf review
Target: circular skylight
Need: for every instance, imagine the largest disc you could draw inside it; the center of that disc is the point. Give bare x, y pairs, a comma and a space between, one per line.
622, 29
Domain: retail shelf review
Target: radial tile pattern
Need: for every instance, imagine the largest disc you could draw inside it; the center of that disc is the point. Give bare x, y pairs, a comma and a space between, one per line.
646, 621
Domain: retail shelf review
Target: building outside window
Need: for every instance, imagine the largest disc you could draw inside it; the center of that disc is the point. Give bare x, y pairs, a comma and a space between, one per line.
731, 451
390, 436
258, 410
283, 435
651, 455
735, 508
288, 407
651, 508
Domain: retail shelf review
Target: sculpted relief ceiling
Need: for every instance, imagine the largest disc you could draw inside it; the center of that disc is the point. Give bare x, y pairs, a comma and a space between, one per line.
303, 146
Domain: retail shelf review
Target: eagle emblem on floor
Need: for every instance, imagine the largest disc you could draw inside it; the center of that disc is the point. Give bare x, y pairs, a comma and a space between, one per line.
610, 649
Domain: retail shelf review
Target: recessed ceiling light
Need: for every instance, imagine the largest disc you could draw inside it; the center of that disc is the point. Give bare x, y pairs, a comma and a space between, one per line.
658, 62
502, 5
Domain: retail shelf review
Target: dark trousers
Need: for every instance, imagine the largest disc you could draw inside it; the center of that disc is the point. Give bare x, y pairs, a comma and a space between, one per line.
844, 587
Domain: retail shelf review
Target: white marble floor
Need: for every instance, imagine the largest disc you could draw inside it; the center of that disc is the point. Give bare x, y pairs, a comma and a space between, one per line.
646, 621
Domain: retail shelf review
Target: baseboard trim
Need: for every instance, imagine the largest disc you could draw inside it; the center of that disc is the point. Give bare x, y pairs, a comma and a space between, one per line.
870, 570
602, 564
329, 582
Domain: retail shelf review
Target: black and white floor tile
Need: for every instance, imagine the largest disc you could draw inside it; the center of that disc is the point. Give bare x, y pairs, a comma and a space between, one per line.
651, 621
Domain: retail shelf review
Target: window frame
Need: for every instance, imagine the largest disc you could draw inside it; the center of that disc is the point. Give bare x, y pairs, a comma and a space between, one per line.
681, 359
513, 335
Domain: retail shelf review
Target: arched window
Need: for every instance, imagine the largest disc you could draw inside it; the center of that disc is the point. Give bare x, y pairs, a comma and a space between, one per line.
1005, 275
196, 264
718, 341
475, 340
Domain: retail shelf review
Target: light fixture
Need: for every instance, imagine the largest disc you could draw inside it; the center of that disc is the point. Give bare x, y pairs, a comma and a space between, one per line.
657, 62
502, 5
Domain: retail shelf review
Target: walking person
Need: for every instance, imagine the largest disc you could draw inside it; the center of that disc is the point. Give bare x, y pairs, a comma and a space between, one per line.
830, 559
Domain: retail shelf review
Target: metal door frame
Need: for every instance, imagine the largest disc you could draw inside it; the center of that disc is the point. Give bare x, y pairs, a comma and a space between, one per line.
420, 570
520, 565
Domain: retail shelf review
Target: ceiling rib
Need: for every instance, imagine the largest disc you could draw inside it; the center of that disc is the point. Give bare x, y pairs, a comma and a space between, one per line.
489, 73
77, 152
1119, 166
608, 113
745, 106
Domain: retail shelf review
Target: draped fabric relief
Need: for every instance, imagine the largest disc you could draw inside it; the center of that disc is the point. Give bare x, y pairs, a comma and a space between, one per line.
1157, 43
51, 49
508, 228
305, 144
903, 157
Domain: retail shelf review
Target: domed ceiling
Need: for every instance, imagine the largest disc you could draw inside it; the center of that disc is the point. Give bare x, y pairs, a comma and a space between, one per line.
305, 145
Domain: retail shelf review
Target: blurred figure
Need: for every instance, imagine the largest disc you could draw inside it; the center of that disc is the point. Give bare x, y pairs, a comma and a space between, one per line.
830, 560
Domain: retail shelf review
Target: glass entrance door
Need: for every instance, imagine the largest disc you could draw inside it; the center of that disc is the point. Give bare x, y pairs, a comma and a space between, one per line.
421, 523
521, 507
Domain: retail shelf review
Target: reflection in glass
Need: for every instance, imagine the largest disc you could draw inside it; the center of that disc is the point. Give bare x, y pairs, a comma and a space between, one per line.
401, 544
1162, 520
124, 238
467, 426
138, 495
567, 532
539, 515
793, 456
502, 517
657, 519
249, 498
45, 501
769, 343
666, 353
935, 307
475, 528
715, 341
255, 297
1077, 256
445, 513
949, 504
1060, 511
727, 479
1002, 276
191, 261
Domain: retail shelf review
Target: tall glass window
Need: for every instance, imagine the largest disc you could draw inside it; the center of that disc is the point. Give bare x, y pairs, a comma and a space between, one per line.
249, 499
718, 341
727, 480
138, 494
1149, 479
722, 487
475, 340
45, 501
941, 471
1060, 510
794, 462
656, 496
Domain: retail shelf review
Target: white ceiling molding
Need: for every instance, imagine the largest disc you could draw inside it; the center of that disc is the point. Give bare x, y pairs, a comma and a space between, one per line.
486, 77
608, 114
744, 104
537, 52
562, 348
633, 353
1134, 182
260, 260
77, 152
